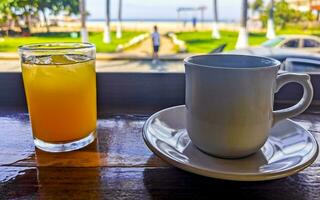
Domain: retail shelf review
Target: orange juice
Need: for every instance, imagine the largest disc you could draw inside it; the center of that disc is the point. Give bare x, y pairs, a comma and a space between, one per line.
61, 96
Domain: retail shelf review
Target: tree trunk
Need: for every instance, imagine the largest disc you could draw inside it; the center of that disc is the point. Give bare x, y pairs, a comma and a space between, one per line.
84, 32
45, 20
242, 41
106, 35
26, 30
119, 25
244, 13
215, 28
270, 29
271, 10
202, 17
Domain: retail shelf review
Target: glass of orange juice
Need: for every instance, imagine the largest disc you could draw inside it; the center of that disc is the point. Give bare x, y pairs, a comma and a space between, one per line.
60, 86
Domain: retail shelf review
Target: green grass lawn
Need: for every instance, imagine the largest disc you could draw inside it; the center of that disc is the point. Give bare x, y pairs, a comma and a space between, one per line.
201, 42
293, 29
10, 44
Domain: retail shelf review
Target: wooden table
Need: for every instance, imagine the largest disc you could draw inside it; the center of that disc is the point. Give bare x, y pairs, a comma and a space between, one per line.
118, 165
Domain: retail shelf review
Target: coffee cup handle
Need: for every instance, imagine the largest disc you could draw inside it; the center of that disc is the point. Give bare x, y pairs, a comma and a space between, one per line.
302, 105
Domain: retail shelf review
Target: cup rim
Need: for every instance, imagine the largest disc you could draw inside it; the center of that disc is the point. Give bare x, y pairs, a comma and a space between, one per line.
55, 46
276, 64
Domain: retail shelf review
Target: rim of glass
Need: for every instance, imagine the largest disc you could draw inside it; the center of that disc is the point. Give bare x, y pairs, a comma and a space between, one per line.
56, 46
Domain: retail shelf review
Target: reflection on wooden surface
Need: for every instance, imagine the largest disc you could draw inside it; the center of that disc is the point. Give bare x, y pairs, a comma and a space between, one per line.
119, 166
119, 144
88, 157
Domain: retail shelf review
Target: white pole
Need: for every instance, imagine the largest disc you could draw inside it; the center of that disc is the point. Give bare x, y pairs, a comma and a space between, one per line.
215, 27
84, 35
242, 41
119, 30
270, 30
106, 33
270, 27
119, 24
83, 30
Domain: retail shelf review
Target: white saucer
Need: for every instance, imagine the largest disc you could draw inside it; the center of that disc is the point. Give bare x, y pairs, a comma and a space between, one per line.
289, 149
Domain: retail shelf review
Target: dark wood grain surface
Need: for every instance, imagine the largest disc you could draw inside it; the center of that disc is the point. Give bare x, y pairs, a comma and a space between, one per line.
118, 165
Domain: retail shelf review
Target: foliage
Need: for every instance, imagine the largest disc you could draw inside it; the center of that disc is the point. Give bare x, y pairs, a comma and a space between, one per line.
26, 9
57, 6
257, 5
283, 15
13, 9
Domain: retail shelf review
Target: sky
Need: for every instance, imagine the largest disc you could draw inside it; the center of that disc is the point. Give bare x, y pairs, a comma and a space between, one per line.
163, 9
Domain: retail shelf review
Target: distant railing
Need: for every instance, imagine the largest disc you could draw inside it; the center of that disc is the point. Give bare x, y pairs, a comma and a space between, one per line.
134, 41
179, 43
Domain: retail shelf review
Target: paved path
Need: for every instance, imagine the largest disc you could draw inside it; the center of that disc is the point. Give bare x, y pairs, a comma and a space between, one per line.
140, 59
113, 66
145, 47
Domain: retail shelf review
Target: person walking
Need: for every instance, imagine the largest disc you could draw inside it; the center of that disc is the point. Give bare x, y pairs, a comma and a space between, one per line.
194, 23
156, 44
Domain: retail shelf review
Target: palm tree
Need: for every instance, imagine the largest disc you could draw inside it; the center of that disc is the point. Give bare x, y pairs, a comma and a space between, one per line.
270, 29
106, 34
256, 7
119, 25
84, 32
242, 41
215, 29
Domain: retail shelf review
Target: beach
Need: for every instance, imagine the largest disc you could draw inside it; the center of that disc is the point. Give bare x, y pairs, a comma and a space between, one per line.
141, 25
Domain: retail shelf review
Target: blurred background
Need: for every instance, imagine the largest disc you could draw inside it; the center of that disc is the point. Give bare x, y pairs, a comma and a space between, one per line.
122, 30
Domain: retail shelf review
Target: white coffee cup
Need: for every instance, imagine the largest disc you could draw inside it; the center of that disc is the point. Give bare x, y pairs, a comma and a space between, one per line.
229, 101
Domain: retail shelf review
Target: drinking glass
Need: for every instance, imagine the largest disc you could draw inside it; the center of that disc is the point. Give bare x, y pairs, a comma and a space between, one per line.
60, 85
